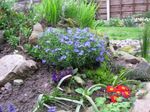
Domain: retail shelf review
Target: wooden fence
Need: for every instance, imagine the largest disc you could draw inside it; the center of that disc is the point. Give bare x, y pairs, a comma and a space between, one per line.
121, 8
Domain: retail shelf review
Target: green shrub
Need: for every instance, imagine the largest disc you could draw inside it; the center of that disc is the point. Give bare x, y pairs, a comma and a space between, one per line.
17, 26
75, 47
146, 41
116, 22
101, 75
129, 22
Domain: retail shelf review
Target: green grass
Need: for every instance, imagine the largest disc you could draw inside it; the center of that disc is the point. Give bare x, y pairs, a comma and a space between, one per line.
121, 33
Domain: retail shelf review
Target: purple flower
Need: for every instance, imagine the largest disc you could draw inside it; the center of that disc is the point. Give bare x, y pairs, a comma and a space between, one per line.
100, 59
69, 42
87, 44
1, 110
76, 50
62, 58
54, 77
93, 49
101, 53
47, 50
52, 109
37, 46
81, 52
11, 108
43, 61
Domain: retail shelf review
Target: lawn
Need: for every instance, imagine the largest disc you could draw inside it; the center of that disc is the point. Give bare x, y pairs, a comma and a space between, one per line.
121, 33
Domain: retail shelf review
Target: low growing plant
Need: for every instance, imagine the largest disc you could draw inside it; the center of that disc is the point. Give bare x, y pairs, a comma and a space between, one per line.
75, 47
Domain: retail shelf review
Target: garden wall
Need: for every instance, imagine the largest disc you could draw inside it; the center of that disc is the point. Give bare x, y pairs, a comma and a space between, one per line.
122, 8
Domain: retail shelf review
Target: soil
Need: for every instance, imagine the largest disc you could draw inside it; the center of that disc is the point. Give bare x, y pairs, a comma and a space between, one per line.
24, 97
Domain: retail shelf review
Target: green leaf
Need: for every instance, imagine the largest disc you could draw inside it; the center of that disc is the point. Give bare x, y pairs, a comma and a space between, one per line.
100, 101
79, 90
75, 71
93, 90
79, 80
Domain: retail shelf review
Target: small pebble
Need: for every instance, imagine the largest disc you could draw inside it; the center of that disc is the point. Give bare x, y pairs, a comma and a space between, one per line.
18, 82
8, 86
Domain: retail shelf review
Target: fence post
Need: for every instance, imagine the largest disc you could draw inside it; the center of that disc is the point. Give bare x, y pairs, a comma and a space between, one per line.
108, 10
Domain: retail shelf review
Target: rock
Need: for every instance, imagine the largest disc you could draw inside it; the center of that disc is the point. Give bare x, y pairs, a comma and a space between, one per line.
37, 30
15, 66
8, 86
141, 72
18, 82
143, 105
1, 37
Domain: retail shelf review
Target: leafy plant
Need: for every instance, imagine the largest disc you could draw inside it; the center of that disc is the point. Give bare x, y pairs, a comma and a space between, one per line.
116, 22
101, 75
81, 11
75, 47
50, 10
129, 21
17, 26
146, 41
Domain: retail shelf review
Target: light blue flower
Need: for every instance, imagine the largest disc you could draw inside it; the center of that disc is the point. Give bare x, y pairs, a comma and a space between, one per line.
81, 52
76, 50
43, 61
87, 44
62, 58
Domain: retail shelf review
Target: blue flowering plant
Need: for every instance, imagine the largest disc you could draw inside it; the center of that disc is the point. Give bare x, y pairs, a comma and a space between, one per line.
73, 47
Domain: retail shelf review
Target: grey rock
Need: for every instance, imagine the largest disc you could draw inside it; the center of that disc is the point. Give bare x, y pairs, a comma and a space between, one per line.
15, 66
141, 72
1, 37
8, 86
18, 82
89, 109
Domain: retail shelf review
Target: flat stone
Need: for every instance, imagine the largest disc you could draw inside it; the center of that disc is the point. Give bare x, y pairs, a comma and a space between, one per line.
15, 66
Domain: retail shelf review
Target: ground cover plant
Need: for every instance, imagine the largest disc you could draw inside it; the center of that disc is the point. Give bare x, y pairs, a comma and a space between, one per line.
17, 26
75, 47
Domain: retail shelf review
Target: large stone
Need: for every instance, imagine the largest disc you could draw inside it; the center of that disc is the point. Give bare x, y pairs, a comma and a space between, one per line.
141, 72
37, 30
1, 37
15, 66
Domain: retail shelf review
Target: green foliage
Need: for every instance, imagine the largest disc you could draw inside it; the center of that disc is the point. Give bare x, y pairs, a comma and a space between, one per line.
129, 22
101, 75
112, 107
75, 47
116, 22
147, 14
50, 10
146, 41
17, 25
80, 11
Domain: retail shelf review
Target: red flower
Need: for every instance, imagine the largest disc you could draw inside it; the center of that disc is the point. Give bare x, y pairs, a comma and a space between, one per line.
110, 89
122, 88
118, 91
126, 94
114, 98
